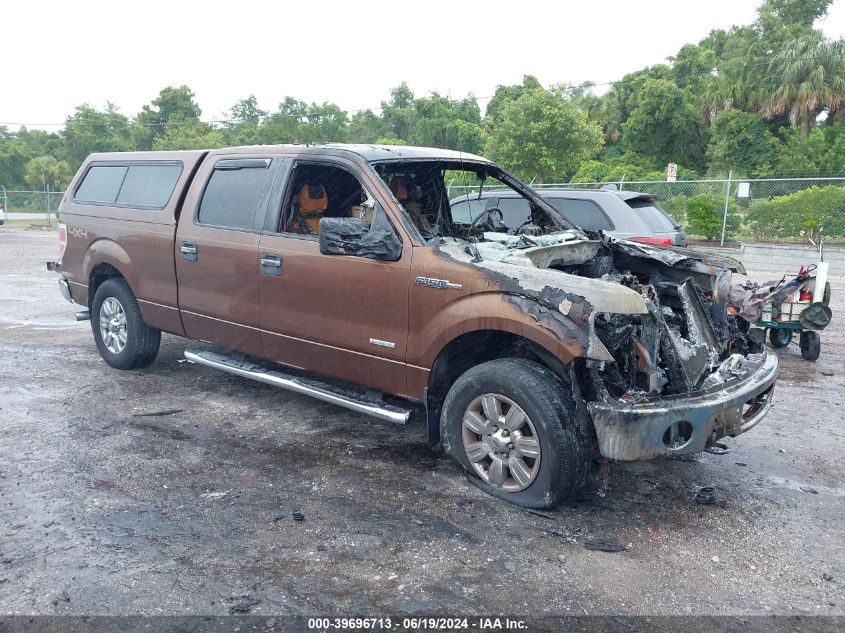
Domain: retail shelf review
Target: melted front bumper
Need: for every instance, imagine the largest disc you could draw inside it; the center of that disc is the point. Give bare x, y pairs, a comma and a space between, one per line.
683, 424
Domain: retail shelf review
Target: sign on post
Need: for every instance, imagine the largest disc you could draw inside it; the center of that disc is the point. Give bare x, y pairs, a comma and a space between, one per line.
743, 190
671, 172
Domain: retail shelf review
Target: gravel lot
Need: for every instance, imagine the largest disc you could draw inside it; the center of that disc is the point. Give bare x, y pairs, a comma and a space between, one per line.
170, 490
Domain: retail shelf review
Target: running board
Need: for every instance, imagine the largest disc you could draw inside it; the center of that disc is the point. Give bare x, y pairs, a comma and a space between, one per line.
312, 388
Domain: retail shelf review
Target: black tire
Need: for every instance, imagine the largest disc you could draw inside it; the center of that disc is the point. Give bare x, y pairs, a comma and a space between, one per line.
780, 337
811, 345
142, 341
551, 410
826, 293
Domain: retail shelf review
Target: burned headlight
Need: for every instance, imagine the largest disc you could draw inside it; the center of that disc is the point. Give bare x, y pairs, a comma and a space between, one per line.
722, 287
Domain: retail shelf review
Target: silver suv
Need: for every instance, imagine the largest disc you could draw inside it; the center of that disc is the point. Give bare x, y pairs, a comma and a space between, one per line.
626, 215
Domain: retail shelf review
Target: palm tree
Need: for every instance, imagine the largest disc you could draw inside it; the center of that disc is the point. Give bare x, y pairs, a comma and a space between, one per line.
804, 79
46, 170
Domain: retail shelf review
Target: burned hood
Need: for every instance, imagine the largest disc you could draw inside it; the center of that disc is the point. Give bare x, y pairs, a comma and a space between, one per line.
677, 256
535, 265
524, 271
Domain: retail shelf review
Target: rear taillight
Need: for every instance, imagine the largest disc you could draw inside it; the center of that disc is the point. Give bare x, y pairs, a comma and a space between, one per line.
62, 231
660, 241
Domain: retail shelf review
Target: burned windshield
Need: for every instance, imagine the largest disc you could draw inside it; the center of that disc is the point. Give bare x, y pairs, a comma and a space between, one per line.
452, 199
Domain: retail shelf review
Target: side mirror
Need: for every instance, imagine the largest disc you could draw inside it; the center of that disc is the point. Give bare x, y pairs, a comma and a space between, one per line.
350, 236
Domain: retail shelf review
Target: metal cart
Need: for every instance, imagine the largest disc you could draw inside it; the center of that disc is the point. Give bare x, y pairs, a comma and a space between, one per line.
783, 318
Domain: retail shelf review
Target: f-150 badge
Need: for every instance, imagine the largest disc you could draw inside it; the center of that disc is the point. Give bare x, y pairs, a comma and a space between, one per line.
429, 282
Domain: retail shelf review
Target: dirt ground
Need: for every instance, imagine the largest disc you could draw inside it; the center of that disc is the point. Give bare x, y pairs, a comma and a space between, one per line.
170, 490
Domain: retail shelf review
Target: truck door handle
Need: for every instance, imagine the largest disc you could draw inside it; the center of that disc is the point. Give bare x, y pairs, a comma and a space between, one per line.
271, 264
189, 251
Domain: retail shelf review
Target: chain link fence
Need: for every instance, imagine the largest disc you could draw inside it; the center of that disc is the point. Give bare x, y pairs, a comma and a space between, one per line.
729, 211
26, 203
724, 211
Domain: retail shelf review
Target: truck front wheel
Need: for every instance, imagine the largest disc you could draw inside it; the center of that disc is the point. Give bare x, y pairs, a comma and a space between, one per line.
511, 423
122, 337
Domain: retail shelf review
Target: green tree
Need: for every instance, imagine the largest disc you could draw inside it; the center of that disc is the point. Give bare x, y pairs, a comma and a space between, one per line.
821, 152
324, 123
297, 122
172, 107
190, 136
366, 127
46, 171
692, 66
284, 125
247, 111
543, 136
664, 125
806, 78
448, 124
90, 130
783, 20
627, 167
739, 141
13, 159
244, 118
616, 105
398, 113
692, 71
508, 94
39, 142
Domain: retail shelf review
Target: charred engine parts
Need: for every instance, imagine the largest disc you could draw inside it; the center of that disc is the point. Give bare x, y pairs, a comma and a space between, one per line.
673, 349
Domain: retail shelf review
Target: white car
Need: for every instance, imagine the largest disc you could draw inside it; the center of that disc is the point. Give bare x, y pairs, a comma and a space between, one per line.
2, 214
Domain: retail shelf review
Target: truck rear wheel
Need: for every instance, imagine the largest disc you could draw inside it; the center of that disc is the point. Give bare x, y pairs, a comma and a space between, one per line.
511, 423
122, 337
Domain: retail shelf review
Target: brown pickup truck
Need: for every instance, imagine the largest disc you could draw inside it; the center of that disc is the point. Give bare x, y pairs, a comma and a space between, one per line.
337, 271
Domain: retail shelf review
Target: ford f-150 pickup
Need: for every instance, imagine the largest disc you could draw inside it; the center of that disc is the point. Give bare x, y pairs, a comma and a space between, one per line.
338, 271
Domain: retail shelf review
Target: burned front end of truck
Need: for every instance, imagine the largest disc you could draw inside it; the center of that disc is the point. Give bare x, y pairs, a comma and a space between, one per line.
643, 332
663, 365
684, 374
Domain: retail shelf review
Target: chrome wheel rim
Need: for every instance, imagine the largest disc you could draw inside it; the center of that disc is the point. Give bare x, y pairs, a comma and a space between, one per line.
501, 442
113, 325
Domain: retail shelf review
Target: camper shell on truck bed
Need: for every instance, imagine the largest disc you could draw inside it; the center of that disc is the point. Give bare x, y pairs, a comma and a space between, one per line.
338, 271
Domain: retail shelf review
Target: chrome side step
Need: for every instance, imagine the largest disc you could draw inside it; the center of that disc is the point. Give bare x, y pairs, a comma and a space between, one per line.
320, 391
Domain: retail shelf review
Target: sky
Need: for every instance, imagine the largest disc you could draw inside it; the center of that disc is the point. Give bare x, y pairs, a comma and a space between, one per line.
57, 55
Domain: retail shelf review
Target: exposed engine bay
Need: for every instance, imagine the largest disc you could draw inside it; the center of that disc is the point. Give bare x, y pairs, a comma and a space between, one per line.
671, 334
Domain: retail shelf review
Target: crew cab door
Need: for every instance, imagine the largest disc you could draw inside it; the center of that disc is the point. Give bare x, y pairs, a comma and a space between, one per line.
340, 316
217, 250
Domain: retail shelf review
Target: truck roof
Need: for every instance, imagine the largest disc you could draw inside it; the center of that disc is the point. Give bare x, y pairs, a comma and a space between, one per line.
375, 153
181, 155
369, 152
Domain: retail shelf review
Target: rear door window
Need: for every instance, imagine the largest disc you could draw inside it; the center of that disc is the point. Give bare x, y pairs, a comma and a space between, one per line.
651, 213
149, 186
101, 184
231, 197
583, 213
